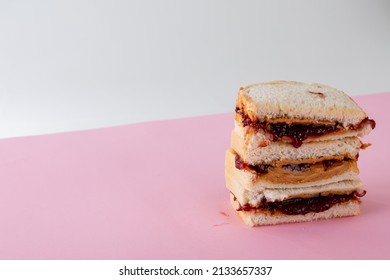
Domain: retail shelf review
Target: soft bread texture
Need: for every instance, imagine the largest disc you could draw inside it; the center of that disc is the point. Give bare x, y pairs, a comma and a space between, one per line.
296, 100
250, 180
259, 218
253, 153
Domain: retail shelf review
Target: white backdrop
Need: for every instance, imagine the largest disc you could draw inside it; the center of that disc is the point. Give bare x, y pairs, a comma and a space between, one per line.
78, 64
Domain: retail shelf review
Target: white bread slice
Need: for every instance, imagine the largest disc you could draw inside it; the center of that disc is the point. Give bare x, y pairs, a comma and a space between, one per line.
260, 218
251, 181
254, 197
253, 153
296, 100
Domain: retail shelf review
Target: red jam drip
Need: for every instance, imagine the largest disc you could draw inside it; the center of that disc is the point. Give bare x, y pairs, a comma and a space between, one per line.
302, 206
296, 133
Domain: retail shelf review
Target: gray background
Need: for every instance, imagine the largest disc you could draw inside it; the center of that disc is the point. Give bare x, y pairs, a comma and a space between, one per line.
73, 65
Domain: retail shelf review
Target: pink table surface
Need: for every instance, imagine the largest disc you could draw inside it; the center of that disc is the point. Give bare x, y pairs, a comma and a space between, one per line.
157, 191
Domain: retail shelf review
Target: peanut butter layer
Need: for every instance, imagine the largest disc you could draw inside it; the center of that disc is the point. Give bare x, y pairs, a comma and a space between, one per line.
301, 172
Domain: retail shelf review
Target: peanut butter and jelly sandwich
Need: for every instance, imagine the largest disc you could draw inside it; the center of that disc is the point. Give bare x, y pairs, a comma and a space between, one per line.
294, 151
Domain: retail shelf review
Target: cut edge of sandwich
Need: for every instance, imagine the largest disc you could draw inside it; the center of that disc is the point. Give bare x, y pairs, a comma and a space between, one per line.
251, 180
253, 153
255, 198
260, 218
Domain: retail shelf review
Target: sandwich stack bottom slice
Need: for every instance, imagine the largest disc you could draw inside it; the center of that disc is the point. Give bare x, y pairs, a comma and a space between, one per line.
294, 151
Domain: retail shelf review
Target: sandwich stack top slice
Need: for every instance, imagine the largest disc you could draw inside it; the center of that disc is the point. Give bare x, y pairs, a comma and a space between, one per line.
294, 151
285, 101
271, 115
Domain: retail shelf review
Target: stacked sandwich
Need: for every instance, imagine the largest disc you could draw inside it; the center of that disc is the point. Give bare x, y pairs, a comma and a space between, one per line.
294, 151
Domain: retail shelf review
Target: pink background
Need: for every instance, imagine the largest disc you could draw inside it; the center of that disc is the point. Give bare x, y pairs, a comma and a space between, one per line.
156, 191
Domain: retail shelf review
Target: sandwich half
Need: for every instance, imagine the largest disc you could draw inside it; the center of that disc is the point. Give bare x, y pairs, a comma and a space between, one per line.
294, 151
